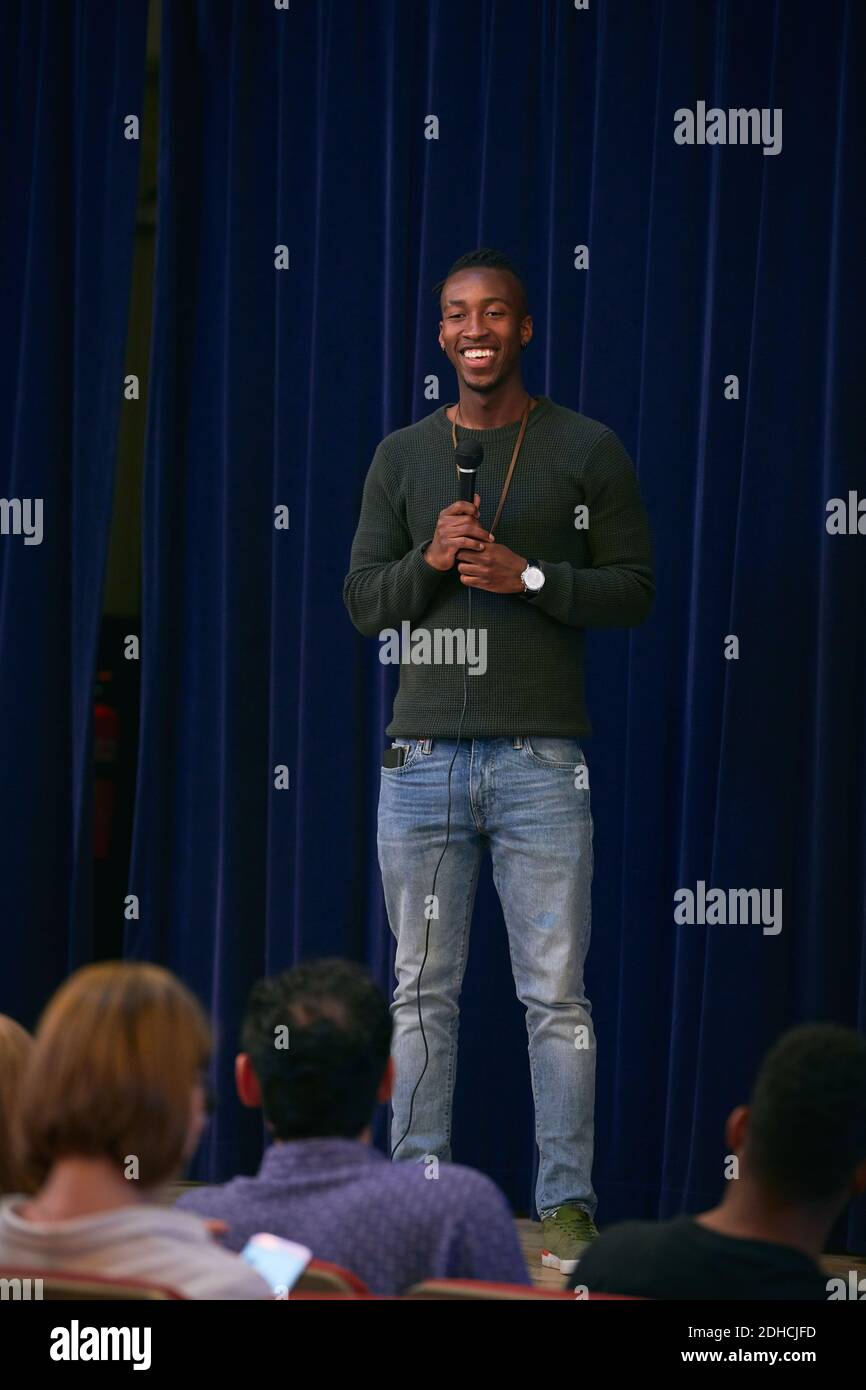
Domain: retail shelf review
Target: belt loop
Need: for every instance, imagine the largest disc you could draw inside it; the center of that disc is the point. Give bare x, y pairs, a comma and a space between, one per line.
518, 741
428, 745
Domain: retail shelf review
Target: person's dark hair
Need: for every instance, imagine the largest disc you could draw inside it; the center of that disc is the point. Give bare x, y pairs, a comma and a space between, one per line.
319, 1037
485, 258
807, 1121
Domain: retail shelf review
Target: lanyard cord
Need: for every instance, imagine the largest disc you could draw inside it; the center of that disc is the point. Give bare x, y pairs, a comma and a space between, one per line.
507, 483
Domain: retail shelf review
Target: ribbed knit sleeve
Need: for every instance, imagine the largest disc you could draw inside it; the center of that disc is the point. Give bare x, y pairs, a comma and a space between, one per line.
617, 590
389, 580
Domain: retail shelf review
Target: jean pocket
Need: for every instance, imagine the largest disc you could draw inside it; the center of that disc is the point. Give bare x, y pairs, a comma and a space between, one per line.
555, 752
413, 745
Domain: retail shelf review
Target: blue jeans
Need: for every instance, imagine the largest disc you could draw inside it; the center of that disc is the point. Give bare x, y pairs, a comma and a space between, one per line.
523, 797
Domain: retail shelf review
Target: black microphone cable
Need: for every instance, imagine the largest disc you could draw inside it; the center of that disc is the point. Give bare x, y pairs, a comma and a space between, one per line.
474, 452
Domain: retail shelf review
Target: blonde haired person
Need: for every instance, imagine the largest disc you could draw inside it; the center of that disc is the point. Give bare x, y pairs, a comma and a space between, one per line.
15, 1045
112, 1103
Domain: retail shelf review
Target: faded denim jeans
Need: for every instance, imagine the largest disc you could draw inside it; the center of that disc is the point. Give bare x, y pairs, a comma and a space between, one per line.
525, 799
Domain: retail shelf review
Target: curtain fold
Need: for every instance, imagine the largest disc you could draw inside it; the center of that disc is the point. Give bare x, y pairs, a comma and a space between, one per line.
306, 130
70, 76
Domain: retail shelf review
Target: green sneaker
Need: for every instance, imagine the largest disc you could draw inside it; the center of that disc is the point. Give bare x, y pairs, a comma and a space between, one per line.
565, 1234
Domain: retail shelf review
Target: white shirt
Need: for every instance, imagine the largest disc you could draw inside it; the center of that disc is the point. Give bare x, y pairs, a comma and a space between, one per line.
155, 1244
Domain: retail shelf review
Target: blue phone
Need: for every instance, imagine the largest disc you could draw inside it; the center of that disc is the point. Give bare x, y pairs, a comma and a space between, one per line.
280, 1262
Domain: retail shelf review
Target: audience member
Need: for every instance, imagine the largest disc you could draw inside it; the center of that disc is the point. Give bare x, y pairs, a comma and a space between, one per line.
800, 1151
15, 1045
316, 1056
112, 1102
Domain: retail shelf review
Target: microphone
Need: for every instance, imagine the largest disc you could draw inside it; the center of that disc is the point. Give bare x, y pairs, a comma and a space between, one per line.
469, 455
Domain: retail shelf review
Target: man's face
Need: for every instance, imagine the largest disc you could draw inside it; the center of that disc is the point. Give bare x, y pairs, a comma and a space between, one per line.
482, 317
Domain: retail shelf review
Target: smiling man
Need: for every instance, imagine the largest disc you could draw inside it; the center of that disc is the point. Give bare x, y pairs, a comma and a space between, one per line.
571, 551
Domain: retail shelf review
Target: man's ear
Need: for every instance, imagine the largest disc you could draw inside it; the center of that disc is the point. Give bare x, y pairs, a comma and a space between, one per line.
246, 1082
736, 1126
386, 1085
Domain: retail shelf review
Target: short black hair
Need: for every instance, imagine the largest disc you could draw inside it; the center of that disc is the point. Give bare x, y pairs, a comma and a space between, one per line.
485, 258
807, 1122
319, 1079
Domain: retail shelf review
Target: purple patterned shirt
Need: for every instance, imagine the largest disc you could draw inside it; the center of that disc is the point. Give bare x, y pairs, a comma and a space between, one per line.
388, 1222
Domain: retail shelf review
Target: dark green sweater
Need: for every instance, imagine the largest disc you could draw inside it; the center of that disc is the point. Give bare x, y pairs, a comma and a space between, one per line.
601, 576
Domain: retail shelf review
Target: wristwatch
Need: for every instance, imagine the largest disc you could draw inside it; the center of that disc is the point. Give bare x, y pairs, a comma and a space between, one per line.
532, 579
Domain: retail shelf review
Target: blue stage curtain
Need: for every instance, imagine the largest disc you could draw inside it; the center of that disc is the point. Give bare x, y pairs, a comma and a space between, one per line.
71, 75
305, 128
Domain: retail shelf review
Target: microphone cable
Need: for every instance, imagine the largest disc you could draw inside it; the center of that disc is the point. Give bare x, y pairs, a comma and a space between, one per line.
431, 905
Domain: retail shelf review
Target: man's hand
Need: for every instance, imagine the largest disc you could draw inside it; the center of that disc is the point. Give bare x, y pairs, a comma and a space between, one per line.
215, 1226
457, 529
498, 570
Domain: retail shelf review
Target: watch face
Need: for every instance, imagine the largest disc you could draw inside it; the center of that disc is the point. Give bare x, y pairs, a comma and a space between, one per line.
533, 578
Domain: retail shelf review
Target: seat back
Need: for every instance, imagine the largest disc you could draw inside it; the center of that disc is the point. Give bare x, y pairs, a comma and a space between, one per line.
320, 1276
482, 1289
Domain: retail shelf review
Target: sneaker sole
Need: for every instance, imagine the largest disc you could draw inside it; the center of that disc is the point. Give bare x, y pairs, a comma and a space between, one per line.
550, 1261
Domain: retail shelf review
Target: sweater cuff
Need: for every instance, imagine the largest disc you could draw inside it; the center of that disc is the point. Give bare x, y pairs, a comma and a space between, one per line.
423, 578
555, 597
